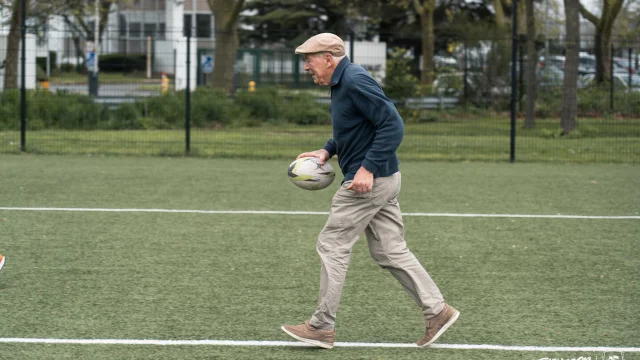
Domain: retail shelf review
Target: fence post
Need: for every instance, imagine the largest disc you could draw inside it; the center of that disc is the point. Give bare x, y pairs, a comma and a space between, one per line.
296, 70
187, 120
23, 67
352, 39
514, 84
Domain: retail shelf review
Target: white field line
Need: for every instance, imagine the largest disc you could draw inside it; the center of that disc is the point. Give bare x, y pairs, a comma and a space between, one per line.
337, 344
278, 212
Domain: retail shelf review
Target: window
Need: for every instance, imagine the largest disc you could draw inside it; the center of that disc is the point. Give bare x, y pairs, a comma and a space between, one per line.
135, 30
203, 26
122, 26
161, 31
150, 30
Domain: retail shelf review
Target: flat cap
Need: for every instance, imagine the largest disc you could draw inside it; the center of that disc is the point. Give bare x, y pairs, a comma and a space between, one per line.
325, 42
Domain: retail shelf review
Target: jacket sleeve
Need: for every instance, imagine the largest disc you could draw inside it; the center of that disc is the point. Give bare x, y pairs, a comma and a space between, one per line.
331, 147
377, 107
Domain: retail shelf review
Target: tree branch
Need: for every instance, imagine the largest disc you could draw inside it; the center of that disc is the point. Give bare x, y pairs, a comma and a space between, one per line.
615, 8
418, 6
587, 15
235, 12
74, 28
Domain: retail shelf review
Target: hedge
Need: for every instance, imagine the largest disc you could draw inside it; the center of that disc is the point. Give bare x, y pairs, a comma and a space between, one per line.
209, 109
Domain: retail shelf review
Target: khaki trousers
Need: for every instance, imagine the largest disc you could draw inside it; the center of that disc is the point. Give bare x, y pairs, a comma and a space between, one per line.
377, 214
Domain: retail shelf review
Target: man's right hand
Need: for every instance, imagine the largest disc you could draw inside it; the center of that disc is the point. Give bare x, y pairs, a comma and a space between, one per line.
321, 154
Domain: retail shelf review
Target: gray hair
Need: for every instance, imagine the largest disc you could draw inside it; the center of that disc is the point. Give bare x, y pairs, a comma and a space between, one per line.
337, 59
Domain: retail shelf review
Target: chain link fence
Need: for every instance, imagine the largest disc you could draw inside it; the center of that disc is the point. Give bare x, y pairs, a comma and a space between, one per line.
152, 91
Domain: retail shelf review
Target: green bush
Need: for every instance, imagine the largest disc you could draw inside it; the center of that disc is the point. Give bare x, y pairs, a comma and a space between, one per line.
304, 110
262, 104
41, 74
592, 102
125, 116
10, 109
400, 83
42, 61
212, 108
122, 63
68, 68
50, 110
65, 111
167, 109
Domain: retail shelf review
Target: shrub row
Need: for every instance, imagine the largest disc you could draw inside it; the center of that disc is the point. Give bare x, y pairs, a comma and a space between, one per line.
209, 109
214, 109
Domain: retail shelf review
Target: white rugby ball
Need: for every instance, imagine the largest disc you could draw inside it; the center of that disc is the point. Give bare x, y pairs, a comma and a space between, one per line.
307, 173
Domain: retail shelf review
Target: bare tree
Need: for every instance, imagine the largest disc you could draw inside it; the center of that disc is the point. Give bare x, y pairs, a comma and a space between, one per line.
426, 9
226, 13
531, 66
604, 29
82, 10
569, 111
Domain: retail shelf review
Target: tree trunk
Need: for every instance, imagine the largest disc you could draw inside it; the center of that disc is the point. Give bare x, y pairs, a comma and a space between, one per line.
13, 47
225, 59
606, 48
604, 28
569, 111
226, 14
532, 62
426, 22
522, 17
599, 50
499, 14
501, 46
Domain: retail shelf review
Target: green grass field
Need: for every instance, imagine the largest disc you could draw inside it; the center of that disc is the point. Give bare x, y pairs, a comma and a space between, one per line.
187, 276
452, 139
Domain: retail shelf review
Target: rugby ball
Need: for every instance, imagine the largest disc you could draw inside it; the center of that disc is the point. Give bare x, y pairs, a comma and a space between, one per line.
307, 173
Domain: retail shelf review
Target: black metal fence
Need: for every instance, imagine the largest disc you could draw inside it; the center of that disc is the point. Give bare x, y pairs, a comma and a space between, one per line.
155, 95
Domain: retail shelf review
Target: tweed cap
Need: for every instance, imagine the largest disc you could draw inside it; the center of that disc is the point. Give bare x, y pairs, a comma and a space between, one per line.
325, 42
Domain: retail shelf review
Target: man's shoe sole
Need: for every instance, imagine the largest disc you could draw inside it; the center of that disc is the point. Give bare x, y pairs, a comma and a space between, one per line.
2, 262
444, 328
321, 344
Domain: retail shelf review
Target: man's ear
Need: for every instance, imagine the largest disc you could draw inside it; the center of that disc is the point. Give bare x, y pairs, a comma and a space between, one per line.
329, 60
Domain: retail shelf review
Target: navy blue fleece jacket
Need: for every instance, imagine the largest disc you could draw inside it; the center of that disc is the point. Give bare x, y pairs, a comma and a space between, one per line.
367, 128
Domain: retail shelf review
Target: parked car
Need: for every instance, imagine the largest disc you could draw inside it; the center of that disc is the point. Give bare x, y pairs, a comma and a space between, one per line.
620, 81
624, 64
451, 84
556, 61
549, 77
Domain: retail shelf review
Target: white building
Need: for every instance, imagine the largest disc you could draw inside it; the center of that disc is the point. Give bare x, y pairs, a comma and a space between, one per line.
127, 29
30, 64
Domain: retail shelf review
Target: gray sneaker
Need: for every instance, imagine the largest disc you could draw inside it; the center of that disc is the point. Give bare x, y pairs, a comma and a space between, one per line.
310, 335
438, 324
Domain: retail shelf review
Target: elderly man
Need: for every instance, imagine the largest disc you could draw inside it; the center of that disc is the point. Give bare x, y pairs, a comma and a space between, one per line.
367, 131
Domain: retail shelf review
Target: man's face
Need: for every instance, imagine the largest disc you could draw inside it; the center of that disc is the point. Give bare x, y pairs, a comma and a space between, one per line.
320, 66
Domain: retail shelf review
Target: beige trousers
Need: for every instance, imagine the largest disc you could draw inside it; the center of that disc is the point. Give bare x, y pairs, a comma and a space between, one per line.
377, 214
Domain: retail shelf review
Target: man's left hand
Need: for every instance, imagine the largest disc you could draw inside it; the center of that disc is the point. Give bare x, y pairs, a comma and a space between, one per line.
362, 181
